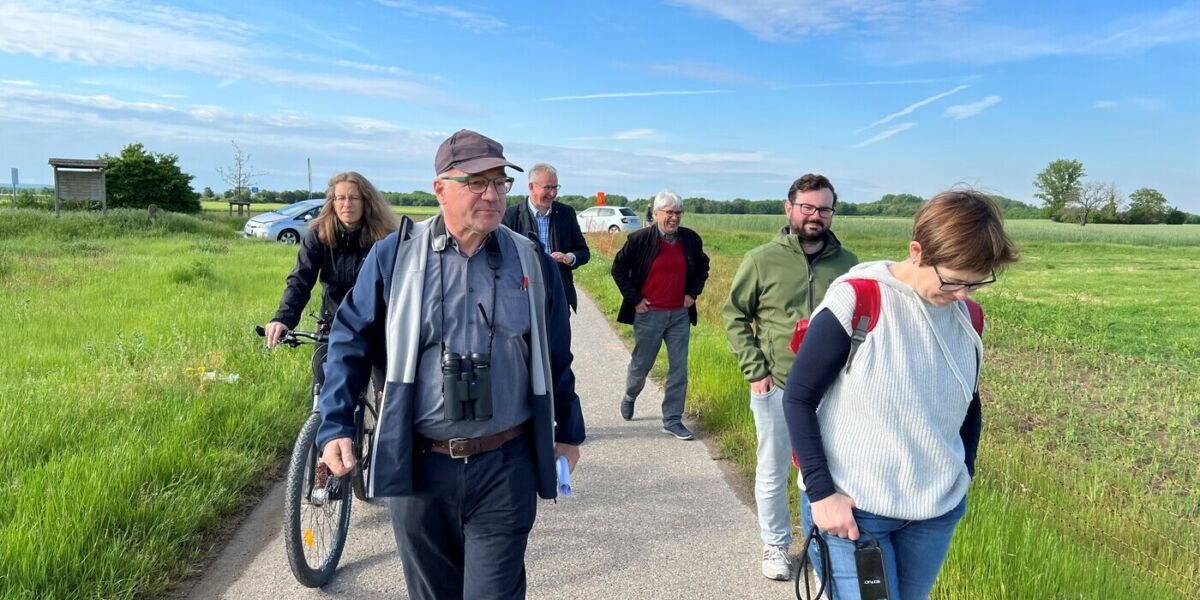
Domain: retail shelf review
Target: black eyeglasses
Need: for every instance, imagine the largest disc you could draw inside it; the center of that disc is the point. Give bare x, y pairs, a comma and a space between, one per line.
808, 209
549, 188
954, 286
479, 185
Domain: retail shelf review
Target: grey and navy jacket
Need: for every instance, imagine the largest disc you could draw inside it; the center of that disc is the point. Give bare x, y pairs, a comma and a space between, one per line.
565, 236
378, 324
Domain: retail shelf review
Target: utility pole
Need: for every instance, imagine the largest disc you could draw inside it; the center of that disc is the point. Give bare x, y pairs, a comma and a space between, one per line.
309, 160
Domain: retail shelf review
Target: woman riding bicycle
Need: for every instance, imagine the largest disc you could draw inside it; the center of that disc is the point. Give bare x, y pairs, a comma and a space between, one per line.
352, 219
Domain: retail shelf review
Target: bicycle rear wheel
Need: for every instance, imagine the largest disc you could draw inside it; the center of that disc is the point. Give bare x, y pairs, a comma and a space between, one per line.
365, 417
314, 524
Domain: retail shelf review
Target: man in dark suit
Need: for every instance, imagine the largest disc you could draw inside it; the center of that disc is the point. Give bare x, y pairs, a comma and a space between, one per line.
553, 224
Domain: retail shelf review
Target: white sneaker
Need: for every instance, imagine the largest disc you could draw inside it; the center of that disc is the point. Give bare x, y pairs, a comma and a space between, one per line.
776, 564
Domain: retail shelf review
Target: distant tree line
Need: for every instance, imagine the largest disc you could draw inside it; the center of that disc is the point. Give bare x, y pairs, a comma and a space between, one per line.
1069, 198
137, 178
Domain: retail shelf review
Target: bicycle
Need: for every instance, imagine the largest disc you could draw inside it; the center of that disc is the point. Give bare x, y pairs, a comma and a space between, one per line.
316, 512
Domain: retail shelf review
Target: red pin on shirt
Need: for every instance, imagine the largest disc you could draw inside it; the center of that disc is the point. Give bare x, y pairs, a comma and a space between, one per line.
524, 282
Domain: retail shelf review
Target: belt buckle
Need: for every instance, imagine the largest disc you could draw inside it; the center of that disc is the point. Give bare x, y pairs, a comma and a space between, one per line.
450, 446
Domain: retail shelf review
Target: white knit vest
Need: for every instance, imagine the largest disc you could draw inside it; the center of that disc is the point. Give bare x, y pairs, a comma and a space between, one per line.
890, 426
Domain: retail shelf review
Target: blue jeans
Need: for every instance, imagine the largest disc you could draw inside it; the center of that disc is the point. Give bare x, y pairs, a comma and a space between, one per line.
773, 467
913, 552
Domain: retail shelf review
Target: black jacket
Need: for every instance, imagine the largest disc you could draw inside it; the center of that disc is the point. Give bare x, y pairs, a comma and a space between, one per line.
565, 236
632, 265
337, 268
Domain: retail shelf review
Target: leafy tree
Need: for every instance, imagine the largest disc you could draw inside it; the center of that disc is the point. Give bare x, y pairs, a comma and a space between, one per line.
1176, 217
207, 194
1059, 185
1014, 209
136, 179
1147, 205
1092, 196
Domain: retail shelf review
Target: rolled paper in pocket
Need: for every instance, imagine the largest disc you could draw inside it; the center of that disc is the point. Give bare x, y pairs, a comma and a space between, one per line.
564, 477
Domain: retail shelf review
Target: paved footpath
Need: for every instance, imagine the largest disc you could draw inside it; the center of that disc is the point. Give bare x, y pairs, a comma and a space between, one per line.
652, 516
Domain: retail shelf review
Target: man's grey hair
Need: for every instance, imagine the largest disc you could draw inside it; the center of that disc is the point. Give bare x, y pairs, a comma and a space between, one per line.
667, 198
540, 168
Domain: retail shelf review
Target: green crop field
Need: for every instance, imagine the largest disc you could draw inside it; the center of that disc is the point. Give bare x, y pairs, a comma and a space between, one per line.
1088, 484
125, 458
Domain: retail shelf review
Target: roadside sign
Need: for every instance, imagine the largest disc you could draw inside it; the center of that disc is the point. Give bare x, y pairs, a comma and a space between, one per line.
254, 190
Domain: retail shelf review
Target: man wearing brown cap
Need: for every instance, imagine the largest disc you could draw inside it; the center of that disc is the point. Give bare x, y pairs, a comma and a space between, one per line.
469, 321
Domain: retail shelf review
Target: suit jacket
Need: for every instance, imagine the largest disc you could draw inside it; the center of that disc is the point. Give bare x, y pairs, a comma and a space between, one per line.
565, 236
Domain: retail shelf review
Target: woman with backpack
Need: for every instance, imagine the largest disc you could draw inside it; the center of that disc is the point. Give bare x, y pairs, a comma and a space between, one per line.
352, 219
885, 424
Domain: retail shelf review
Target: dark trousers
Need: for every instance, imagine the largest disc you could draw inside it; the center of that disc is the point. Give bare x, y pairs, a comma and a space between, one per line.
463, 533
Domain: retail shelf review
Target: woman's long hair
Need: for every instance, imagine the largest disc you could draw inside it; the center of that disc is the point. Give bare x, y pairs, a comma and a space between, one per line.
378, 220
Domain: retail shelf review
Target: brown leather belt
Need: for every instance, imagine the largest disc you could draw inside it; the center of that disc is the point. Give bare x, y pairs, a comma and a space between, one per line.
465, 447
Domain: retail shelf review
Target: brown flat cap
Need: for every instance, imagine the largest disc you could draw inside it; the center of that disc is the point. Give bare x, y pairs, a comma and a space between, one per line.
471, 153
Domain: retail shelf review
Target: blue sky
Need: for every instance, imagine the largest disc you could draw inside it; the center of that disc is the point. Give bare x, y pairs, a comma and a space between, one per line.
705, 97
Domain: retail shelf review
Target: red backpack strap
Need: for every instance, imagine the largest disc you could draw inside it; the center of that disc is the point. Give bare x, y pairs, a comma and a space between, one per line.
866, 313
976, 313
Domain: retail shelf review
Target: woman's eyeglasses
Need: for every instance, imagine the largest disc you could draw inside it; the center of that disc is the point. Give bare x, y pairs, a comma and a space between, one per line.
954, 286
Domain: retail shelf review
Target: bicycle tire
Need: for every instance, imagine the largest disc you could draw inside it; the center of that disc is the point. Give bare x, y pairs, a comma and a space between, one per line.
313, 535
364, 437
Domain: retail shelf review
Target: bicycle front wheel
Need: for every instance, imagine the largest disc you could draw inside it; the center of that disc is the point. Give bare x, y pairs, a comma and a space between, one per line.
316, 512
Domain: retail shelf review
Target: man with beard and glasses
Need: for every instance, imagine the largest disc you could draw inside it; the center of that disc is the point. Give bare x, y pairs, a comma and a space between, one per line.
776, 285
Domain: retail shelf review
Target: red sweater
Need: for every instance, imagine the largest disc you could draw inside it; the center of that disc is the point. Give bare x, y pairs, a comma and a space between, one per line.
663, 289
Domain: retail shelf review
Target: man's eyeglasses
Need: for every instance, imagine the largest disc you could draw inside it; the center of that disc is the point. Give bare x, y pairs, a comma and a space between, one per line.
954, 286
808, 209
672, 213
549, 188
479, 185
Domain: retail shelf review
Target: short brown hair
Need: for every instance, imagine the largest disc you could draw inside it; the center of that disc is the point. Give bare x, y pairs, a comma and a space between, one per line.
377, 221
962, 229
809, 183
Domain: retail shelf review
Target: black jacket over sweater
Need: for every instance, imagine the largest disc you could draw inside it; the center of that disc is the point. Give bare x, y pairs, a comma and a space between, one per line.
632, 265
337, 268
565, 236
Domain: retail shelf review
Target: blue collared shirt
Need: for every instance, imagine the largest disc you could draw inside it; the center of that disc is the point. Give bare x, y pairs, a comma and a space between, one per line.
543, 223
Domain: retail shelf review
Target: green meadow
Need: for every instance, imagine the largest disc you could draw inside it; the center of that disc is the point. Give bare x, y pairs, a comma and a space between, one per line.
130, 446
1088, 484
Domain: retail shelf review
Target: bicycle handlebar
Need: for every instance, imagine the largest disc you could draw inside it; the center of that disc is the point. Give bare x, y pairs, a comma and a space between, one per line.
294, 338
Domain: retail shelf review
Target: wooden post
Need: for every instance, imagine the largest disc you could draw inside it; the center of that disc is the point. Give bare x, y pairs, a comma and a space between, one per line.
56, 191
103, 192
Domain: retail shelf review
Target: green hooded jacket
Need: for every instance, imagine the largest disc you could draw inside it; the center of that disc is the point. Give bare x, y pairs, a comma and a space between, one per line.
773, 288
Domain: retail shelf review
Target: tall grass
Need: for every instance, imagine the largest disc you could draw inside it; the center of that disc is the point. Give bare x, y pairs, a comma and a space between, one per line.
1088, 486
122, 461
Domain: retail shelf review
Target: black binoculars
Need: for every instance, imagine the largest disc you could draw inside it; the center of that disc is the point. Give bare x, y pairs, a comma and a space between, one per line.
467, 386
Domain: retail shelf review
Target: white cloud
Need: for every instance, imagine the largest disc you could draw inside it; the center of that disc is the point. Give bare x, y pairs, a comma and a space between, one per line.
987, 43
692, 158
635, 134
472, 21
140, 36
914, 106
24, 82
633, 95
785, 20
965, 111
172, 96
883, 135
699, 72
1140, 103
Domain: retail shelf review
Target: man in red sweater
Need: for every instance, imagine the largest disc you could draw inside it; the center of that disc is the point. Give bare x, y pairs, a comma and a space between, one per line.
661, 271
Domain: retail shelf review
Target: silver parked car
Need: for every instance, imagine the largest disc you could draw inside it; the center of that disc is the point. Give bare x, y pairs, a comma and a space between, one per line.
288, 224
608, 218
